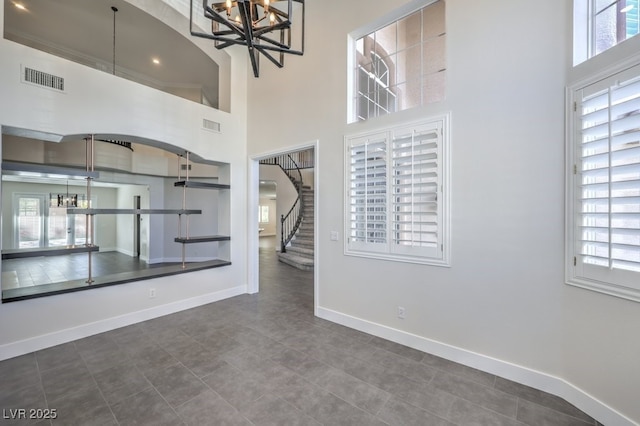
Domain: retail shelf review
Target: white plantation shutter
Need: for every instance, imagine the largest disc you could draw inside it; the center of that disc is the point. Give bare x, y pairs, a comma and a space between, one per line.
607, 183
395, 201
368, 192
415, 187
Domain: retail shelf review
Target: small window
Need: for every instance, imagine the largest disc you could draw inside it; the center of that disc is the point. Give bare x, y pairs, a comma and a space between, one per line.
397, 201
612, 22
602, 24
264, 214
604, 185
400, 65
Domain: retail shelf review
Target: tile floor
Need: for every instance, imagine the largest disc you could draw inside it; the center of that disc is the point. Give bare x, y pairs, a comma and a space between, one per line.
33, 271
261, 360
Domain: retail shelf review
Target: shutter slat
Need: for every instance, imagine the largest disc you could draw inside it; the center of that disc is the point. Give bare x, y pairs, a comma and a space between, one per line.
414, 188
609, 195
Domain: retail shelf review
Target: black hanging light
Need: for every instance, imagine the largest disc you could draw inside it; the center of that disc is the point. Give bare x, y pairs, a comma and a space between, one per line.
263, 26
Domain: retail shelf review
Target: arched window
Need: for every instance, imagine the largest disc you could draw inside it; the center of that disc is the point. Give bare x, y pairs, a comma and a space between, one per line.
374, 94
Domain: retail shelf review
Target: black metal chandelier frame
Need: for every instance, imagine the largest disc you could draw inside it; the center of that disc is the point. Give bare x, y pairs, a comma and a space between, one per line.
255, 26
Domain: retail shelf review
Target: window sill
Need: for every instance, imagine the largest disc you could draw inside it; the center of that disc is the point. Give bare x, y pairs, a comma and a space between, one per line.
606, 288
400, 258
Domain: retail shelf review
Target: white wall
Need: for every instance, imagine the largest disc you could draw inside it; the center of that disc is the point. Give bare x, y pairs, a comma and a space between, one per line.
502, 305
125, 223
97, 102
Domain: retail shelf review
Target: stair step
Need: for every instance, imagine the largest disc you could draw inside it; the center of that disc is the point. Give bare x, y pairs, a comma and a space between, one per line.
299, 262
302, 242
300, 251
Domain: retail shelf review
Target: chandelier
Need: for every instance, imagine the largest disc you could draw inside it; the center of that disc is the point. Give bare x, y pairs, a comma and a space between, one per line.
263, 26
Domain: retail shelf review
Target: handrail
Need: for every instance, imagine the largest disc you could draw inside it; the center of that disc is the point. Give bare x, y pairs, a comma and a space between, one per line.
303, 159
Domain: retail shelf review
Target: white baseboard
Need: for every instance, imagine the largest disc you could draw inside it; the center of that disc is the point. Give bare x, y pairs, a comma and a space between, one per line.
526, 376
22, 347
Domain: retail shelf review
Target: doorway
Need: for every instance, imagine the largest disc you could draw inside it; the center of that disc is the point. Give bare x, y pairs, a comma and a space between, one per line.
254, 219
39, 223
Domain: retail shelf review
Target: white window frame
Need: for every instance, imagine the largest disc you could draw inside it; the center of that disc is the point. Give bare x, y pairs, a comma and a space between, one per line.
585, 31
608, 280
352, 66
430, 252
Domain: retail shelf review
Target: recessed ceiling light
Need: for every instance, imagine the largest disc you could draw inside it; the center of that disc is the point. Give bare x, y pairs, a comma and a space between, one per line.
20, 6
156, 61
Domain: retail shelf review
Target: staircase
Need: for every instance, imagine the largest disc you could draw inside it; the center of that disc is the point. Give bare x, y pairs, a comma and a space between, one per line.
299, 251
296, 227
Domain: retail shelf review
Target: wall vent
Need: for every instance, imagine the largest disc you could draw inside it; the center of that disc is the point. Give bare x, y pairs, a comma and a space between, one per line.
211, 125
44, 79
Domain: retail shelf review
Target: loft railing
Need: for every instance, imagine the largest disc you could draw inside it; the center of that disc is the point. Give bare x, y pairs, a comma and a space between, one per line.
295, 160
123, 144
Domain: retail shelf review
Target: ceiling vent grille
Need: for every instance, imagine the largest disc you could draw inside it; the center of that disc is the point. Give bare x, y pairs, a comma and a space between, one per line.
43, 79
211, 125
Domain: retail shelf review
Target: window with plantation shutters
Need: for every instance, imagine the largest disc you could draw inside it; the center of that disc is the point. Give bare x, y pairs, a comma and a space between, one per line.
605, 185
415, 187
368, 192
396, 202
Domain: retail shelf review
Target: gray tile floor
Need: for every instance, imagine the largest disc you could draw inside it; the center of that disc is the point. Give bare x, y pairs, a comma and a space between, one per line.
261, 360
33, 271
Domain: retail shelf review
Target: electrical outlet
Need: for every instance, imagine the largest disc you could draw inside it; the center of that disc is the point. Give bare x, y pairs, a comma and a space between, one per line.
402, 313
152, 293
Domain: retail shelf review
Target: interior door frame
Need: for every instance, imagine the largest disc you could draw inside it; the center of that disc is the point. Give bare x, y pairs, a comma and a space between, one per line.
253, 199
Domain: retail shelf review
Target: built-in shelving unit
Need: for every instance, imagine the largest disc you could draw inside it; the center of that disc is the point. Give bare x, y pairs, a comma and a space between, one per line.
219, 258
185, 238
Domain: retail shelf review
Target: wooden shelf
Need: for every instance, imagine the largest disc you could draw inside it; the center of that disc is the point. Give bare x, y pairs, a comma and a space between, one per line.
201, 239
132, 211
200, 185
46, 251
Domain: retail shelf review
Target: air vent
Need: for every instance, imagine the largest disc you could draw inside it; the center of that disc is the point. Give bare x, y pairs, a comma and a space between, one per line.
211, 125
43, 79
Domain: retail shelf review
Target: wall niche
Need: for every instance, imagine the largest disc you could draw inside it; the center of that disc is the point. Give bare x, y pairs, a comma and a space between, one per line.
89, 211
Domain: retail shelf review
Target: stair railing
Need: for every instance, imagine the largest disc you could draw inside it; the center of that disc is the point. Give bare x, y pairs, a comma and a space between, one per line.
290, 222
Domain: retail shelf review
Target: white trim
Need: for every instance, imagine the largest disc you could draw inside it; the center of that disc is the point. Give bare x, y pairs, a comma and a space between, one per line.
572, 276
517, 373
32, 344
253, 198
394, 15
444, 170
372, 26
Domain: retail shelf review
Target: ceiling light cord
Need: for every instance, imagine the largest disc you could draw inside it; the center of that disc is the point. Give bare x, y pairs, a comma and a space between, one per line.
115, 9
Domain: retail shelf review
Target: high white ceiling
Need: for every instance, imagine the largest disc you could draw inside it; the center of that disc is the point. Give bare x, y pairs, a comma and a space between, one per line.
83, 31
